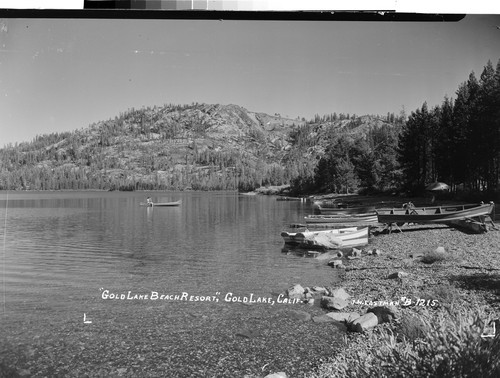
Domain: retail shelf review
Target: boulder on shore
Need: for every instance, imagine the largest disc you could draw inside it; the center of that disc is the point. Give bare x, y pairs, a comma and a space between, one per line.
332, 303
295, 292
339, 293
361, 324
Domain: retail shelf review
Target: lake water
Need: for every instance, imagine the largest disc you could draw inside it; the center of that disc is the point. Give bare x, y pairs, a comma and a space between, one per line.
64, 251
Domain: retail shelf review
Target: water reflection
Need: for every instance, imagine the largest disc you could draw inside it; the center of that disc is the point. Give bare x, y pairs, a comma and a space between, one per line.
72, 244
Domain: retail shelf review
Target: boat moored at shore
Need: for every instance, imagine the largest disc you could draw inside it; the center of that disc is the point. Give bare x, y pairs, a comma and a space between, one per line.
328, 239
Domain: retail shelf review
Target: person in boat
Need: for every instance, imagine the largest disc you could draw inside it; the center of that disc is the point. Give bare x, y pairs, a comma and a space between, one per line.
408, 206
149, 202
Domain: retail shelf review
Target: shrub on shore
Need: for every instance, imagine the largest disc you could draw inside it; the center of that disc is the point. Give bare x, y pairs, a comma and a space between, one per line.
444, 344
434, 256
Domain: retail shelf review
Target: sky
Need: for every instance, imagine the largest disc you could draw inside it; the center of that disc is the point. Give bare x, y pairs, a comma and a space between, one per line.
65, 74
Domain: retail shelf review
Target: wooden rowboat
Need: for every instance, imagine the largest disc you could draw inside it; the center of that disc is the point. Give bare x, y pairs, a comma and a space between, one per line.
162, 204
434, 214
342, 219
318, 209
328, 239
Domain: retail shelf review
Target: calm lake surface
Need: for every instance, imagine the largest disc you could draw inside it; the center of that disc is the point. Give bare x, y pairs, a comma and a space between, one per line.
63, 250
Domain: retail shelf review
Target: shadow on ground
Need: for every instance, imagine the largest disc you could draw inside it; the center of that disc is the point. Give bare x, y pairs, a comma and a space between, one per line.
479, 281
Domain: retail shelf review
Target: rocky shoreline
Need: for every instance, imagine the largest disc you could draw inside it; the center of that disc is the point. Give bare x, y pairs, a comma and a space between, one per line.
423, 271
426, 273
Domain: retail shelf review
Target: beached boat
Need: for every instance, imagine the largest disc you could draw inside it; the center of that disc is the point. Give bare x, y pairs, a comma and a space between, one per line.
342, 218
318, 209
434, 214
328, 239
162, 204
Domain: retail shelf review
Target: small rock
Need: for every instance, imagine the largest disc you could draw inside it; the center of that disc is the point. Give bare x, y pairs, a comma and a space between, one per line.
377, 252
277, 375
334, 263
331, 303
319, 289
310, 302
341, 266
440, 250
343, 316
368, 320
356, 252
369, 252
340, 254
339, 293
398, 275
295, 292
353, 257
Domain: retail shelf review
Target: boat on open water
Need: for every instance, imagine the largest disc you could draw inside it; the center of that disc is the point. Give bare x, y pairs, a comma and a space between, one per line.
161, 204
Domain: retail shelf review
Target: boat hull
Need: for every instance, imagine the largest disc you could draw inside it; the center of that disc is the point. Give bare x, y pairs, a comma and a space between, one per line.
342, 219
328, 239
434, 214
318, 209
162, 204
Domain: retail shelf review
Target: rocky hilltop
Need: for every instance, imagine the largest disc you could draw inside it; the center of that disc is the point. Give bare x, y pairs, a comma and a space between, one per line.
197, 146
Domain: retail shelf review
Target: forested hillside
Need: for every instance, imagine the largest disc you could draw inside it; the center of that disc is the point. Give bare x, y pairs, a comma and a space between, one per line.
197, 146
226, 147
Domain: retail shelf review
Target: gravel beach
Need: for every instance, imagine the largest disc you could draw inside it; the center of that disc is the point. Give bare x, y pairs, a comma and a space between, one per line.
465, 277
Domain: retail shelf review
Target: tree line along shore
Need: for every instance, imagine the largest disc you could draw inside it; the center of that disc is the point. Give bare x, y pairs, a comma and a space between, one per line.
226, 147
